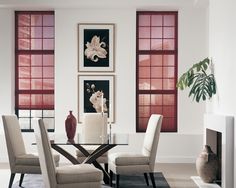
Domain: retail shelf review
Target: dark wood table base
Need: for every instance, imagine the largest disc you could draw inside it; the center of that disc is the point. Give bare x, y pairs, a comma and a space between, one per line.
90, 158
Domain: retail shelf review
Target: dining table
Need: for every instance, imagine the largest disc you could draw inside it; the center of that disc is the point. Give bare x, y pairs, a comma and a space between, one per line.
58, 143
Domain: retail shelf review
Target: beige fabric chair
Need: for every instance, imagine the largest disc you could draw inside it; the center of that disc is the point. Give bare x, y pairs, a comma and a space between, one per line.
132, 163
20, 161
94, 130
72, 176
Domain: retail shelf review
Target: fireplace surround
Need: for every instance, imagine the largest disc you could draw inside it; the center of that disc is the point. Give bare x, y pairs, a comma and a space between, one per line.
219, 134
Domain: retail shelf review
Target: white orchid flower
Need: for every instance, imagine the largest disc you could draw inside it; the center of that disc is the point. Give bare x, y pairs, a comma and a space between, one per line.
96, 100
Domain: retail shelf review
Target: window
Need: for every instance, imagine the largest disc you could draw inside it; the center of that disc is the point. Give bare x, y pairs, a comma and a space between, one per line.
34, 67
156, 62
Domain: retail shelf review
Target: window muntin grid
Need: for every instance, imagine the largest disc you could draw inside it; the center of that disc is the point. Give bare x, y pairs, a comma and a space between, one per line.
156, 68
34, 85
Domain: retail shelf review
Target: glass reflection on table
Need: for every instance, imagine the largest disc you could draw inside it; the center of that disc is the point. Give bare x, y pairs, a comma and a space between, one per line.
113, 139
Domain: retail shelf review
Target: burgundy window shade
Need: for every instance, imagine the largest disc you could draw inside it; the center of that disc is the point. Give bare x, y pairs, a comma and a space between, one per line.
156, 62
34, 64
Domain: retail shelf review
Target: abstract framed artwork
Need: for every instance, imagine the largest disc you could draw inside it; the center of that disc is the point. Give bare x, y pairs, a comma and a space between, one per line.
96, 94
96, 47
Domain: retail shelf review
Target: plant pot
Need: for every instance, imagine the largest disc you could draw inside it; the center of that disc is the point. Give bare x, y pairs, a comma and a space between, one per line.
207, 165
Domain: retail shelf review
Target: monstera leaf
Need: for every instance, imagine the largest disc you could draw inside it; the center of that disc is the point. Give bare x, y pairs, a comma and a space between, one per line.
202, 85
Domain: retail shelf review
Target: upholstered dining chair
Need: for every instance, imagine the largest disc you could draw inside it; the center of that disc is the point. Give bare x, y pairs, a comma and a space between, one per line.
69, 176
20, 161
94, 130
133, 163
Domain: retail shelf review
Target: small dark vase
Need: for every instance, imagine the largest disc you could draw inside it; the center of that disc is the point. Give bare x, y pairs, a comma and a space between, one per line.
207, 165
70, 125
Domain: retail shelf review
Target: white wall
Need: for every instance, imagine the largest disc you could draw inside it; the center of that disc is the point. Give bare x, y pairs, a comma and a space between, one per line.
183, 146
222, 50
67, 55
6, 71
7, 63
193, 47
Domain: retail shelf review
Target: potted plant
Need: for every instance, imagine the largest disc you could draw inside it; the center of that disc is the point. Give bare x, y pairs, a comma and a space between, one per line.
200, 81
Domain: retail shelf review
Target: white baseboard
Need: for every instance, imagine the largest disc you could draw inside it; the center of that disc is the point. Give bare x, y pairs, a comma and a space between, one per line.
176, 159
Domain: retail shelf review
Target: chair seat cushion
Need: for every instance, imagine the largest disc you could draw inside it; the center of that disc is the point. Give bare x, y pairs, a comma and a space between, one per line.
32, 159
78, 174
28, 159
124, 159
56, 159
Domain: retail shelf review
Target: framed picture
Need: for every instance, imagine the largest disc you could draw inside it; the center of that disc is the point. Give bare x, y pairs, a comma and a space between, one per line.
96, 94
96, 47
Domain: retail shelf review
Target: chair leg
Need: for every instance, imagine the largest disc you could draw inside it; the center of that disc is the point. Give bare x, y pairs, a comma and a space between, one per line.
106, 167
111, 176
146, 179
11, 179
117, 180
21, 179
152, 179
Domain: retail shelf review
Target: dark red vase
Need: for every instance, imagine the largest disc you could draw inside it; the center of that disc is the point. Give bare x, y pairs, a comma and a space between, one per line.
70, 125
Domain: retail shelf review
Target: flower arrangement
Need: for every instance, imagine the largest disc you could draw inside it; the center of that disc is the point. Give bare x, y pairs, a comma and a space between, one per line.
97, 98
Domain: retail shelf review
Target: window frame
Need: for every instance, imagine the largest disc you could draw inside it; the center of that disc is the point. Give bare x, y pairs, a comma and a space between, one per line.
157, 52
31, 52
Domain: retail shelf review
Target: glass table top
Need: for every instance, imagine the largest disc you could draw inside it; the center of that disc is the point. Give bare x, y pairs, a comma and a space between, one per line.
113, 139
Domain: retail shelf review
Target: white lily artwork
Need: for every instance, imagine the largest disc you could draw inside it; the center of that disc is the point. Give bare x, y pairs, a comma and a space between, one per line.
96, 48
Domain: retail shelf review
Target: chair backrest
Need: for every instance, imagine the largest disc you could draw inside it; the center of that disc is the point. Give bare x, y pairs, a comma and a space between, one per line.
94, 127
151, 138
46, 159
14, 139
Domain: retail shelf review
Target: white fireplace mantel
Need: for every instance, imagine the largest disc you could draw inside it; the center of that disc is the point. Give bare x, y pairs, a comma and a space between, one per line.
225, 125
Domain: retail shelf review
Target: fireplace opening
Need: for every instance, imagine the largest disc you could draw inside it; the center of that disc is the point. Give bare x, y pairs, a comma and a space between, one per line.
223, 124
214, 140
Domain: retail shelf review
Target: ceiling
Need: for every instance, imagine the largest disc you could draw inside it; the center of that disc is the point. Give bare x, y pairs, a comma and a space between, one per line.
29, 4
